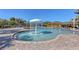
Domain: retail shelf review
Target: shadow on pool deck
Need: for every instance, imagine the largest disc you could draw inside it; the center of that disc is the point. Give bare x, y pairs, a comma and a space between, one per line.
5, 42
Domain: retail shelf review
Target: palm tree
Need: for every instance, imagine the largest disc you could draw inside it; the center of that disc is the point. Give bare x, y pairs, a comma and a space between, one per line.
77, 11
3, 22
17, 21
75, 21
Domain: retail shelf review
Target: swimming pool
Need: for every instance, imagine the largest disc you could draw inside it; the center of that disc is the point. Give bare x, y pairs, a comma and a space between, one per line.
42, 34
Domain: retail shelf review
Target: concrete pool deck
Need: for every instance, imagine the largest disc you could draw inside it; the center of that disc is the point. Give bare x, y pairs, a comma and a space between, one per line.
3, 35
61, 42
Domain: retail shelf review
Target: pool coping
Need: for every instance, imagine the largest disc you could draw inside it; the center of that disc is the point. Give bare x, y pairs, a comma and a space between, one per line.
56, 38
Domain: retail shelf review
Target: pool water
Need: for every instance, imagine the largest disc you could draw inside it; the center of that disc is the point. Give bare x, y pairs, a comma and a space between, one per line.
42, 34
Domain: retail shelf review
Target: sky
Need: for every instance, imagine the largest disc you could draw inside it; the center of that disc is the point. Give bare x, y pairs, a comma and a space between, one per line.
43, 14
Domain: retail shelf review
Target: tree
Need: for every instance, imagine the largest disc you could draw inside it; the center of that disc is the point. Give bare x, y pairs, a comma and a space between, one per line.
12, 22
17, 21
77, 11
47, 24
3, 23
